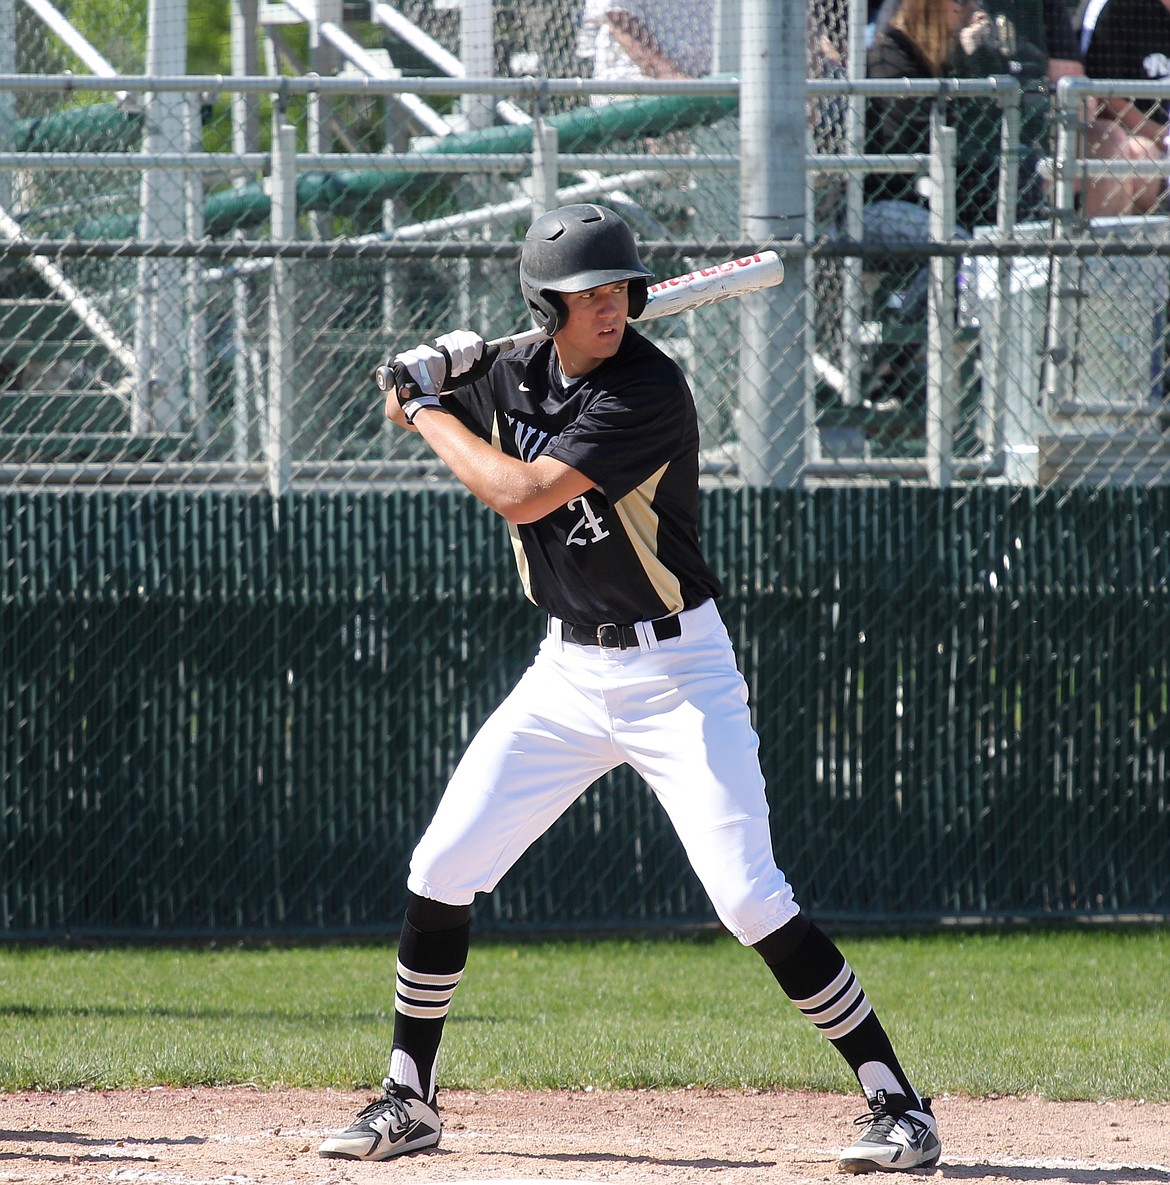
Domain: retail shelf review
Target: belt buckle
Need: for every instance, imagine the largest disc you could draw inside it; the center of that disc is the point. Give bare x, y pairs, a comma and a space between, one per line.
609, 637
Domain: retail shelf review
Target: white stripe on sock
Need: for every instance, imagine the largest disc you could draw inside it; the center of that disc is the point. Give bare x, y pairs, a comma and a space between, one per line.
424, 1003
849, 1023
839, 1008
826, 994
447, 979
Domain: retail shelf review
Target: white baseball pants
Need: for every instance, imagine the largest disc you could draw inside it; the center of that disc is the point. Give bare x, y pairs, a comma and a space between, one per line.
675, 710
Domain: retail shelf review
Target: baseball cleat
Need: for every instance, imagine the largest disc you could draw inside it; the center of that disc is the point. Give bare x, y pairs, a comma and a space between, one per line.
397, 1123
898, 1136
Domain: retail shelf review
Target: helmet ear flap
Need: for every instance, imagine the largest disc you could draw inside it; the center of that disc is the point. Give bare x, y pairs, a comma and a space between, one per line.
639, 291
548, 311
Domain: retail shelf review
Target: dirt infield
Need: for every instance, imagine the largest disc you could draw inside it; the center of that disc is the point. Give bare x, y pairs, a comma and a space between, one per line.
241, 1136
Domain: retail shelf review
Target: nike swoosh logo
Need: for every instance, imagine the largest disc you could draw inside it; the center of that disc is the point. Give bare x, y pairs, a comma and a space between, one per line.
405, 1135
382, 1129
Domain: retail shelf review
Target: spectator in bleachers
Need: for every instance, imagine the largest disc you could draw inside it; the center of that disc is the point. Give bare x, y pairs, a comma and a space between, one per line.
1037, 43
925, 39
933, 39
1064, 53
648, 38
1046, 24
1087, 15
1127, 39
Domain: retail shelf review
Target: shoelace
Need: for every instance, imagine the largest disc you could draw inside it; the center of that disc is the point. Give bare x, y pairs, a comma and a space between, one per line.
882, 1122
387, 1102
877, 1123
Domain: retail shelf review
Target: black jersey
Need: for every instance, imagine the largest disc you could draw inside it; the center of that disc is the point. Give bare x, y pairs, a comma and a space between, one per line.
627, 550
1131, 39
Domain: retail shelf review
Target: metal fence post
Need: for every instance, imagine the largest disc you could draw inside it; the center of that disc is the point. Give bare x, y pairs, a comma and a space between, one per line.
1062, 294
245, 111
195, 290
325, 61
158, 388
773, 408
941, 399
1013, 415
478, 51
853, 296
281, 309
7, 97
545, 147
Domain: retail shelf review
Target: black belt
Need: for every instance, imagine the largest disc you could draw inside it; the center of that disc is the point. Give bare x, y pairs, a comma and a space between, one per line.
618, 637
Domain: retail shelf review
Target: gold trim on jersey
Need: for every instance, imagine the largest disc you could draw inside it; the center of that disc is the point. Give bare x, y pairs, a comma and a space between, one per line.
513, 530
636, 511
521, 561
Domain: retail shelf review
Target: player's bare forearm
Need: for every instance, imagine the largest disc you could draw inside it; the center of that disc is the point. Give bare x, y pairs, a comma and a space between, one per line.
518, 491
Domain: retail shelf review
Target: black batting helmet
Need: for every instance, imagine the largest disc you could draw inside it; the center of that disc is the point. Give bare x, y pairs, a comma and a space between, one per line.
574, 248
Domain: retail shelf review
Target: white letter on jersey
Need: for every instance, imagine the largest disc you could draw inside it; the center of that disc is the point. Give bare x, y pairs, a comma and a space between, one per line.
588, 522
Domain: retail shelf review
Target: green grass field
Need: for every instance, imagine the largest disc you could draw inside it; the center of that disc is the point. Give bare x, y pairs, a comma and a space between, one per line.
1067, 1014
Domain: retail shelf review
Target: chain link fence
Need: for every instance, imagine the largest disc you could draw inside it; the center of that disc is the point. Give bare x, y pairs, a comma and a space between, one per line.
247, 626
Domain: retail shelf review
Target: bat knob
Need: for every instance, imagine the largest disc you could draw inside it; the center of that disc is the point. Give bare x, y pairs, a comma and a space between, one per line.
384, 378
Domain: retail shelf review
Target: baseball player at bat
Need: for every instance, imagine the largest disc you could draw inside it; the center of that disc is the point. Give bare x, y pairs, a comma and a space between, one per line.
587, 444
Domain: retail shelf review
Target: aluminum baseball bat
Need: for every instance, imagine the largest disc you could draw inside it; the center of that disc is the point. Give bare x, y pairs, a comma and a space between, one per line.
679, 294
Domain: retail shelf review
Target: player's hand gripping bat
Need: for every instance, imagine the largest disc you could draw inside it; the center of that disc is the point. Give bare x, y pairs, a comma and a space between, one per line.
708, 285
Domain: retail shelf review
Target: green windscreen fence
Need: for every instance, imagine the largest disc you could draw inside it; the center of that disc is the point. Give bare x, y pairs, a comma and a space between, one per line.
225, 714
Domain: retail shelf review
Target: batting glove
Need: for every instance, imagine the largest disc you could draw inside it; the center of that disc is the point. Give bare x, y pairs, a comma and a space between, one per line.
425, 369
463, 349
469, 357
422, 374
418, 376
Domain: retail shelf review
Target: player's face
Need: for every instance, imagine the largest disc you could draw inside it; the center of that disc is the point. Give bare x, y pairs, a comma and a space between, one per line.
593, 328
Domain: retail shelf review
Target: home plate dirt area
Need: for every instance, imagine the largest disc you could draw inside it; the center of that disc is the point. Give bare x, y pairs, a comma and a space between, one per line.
240, 1135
